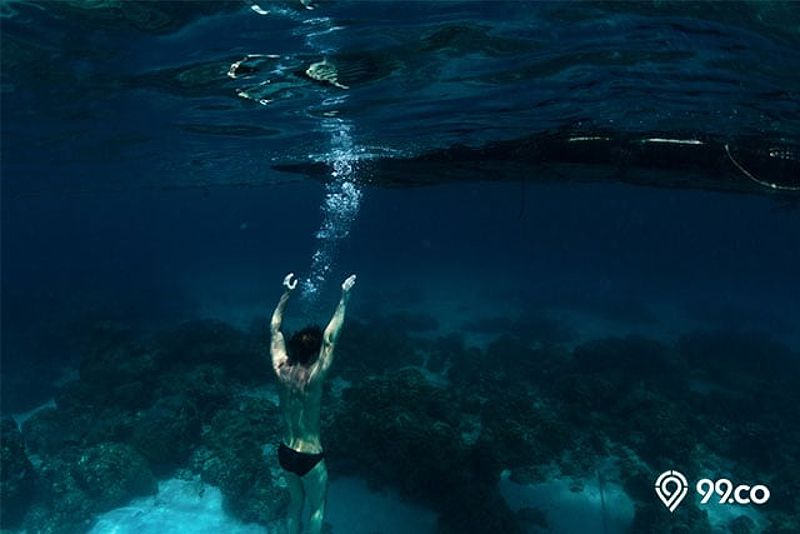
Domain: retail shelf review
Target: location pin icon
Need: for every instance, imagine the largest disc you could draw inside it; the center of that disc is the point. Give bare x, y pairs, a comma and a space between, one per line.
671, 488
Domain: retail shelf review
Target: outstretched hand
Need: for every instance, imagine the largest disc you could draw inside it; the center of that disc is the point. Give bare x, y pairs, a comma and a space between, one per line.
348, 284
288, 283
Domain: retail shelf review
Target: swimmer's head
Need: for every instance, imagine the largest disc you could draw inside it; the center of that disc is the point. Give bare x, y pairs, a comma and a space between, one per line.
304, 346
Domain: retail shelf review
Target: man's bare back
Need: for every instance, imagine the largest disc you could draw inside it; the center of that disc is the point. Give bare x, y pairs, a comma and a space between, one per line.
300, 413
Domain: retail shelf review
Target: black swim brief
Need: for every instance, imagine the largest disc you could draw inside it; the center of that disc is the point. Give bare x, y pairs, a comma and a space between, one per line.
298, 463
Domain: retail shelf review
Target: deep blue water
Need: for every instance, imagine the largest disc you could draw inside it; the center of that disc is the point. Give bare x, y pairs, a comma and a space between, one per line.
139, 190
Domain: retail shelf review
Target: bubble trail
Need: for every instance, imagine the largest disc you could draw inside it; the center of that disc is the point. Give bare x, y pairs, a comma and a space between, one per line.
339, 208
342, 191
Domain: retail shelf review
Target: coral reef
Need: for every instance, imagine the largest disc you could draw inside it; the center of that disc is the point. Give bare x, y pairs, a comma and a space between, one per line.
232, 457
372, 347
166, 432
538, 327
79, 483
403, 431
416, 410
17, 475
140, 407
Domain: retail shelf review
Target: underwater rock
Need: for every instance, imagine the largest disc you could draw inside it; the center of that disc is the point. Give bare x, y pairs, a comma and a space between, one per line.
783, 523
632, 391
133, 395
109, 367
467, 365
650, 517
373, 347
263, 502
535, 327
507, 359
78, 395
232, 459
408, 322
762, 442
61, 507
444, 352
128, 393
521, 430
51, 430
201, 341
739, 359
584, 394
17, 476
635, 356
214, 342
745, 397
403, 432
521, 362
45, 431
253, 419
74, 486
27, 381
111, 474
661, 430
166, 433
742, 525
397, 413
207, 386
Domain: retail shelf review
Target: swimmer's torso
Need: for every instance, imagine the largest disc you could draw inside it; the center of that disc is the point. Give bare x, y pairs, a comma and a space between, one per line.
300, 412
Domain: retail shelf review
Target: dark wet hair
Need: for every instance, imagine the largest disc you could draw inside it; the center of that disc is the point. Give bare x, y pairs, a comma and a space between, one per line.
304, 346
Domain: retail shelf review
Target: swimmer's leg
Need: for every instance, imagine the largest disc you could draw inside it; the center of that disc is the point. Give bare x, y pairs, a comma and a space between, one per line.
294, 521
315, 483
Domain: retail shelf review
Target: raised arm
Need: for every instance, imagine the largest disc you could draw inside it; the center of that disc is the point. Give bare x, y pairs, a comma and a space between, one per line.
277, 346
331, 333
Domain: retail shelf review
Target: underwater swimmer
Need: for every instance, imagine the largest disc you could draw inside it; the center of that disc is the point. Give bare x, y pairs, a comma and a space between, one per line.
301, 369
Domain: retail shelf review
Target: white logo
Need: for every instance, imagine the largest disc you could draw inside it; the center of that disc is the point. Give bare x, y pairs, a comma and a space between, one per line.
671, 497
731, 494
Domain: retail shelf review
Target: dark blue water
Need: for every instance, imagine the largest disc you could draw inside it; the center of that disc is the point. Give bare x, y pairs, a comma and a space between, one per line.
588, 331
